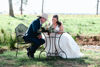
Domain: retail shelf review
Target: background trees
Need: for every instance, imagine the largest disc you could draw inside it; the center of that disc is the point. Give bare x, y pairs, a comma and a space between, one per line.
11, 12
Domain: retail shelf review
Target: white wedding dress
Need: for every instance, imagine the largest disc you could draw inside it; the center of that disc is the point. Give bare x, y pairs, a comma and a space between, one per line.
67, 47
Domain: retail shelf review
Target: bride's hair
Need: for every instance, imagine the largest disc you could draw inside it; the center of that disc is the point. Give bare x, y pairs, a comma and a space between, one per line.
58, 23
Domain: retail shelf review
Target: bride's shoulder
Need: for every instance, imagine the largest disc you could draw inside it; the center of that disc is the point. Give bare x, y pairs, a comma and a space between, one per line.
61, 24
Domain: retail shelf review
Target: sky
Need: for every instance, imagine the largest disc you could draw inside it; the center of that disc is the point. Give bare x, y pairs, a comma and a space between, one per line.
53, 6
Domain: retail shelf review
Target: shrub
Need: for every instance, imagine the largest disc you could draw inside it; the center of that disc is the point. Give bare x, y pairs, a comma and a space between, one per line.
7, 39
12, 42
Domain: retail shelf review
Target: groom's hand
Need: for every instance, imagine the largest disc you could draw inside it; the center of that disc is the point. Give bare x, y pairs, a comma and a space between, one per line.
39, 36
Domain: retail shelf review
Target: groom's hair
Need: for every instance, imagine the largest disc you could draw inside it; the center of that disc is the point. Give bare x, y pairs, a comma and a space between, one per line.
39, 17
58, 23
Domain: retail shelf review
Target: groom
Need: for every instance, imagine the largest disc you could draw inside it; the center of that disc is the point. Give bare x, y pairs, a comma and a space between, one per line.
33, 35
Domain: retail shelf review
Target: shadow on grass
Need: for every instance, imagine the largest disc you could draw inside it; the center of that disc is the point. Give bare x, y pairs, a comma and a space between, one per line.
19, 18
9, 59
54, 61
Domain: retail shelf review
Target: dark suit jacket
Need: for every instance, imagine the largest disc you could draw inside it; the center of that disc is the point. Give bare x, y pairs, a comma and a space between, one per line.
33, 30
32, 33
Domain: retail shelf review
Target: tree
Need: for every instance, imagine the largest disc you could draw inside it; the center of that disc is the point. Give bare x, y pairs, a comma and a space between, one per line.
21, 6
11, 12
42, 6
97, 7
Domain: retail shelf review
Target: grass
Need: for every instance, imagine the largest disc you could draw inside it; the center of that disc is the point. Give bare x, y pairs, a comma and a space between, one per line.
81, 24
74, 24
91, 59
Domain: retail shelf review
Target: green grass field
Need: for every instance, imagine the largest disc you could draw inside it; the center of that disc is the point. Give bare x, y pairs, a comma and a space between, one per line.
74, 24
91, 59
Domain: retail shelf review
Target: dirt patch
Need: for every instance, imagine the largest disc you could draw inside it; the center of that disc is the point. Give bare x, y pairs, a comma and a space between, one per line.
6, 62
32, 66
68, 64
88, 40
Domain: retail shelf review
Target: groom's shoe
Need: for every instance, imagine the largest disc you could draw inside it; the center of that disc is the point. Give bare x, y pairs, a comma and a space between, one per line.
30, 55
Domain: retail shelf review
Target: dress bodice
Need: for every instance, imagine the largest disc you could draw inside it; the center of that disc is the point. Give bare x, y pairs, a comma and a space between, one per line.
57, 29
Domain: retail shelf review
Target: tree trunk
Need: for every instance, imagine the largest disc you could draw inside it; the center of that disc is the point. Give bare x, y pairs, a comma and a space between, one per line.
21, 8
97, 7
42, 6
11, 12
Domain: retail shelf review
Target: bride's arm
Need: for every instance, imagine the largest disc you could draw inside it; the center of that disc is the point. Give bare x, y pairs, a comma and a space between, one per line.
61, 29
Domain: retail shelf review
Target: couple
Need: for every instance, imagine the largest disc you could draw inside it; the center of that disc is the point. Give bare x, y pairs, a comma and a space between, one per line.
67, 43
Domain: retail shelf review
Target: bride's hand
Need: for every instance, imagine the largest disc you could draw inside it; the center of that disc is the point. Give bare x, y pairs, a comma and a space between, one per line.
48, 33
59, 32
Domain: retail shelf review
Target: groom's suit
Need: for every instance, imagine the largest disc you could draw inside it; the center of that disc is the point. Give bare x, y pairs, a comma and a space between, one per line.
31, 36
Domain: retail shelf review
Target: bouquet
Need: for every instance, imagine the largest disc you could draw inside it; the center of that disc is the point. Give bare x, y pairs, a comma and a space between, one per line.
47, 28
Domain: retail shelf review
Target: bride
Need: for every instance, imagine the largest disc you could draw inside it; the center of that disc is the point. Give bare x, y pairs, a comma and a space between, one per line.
66, 47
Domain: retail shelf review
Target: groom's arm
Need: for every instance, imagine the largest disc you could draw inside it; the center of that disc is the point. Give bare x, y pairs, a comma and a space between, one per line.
35, 27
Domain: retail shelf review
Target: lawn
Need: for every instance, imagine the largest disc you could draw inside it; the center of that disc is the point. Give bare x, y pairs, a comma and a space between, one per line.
74, 24
8, 59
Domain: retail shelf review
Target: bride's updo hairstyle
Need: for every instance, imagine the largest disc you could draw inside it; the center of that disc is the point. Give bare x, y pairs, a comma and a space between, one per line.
58, 23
